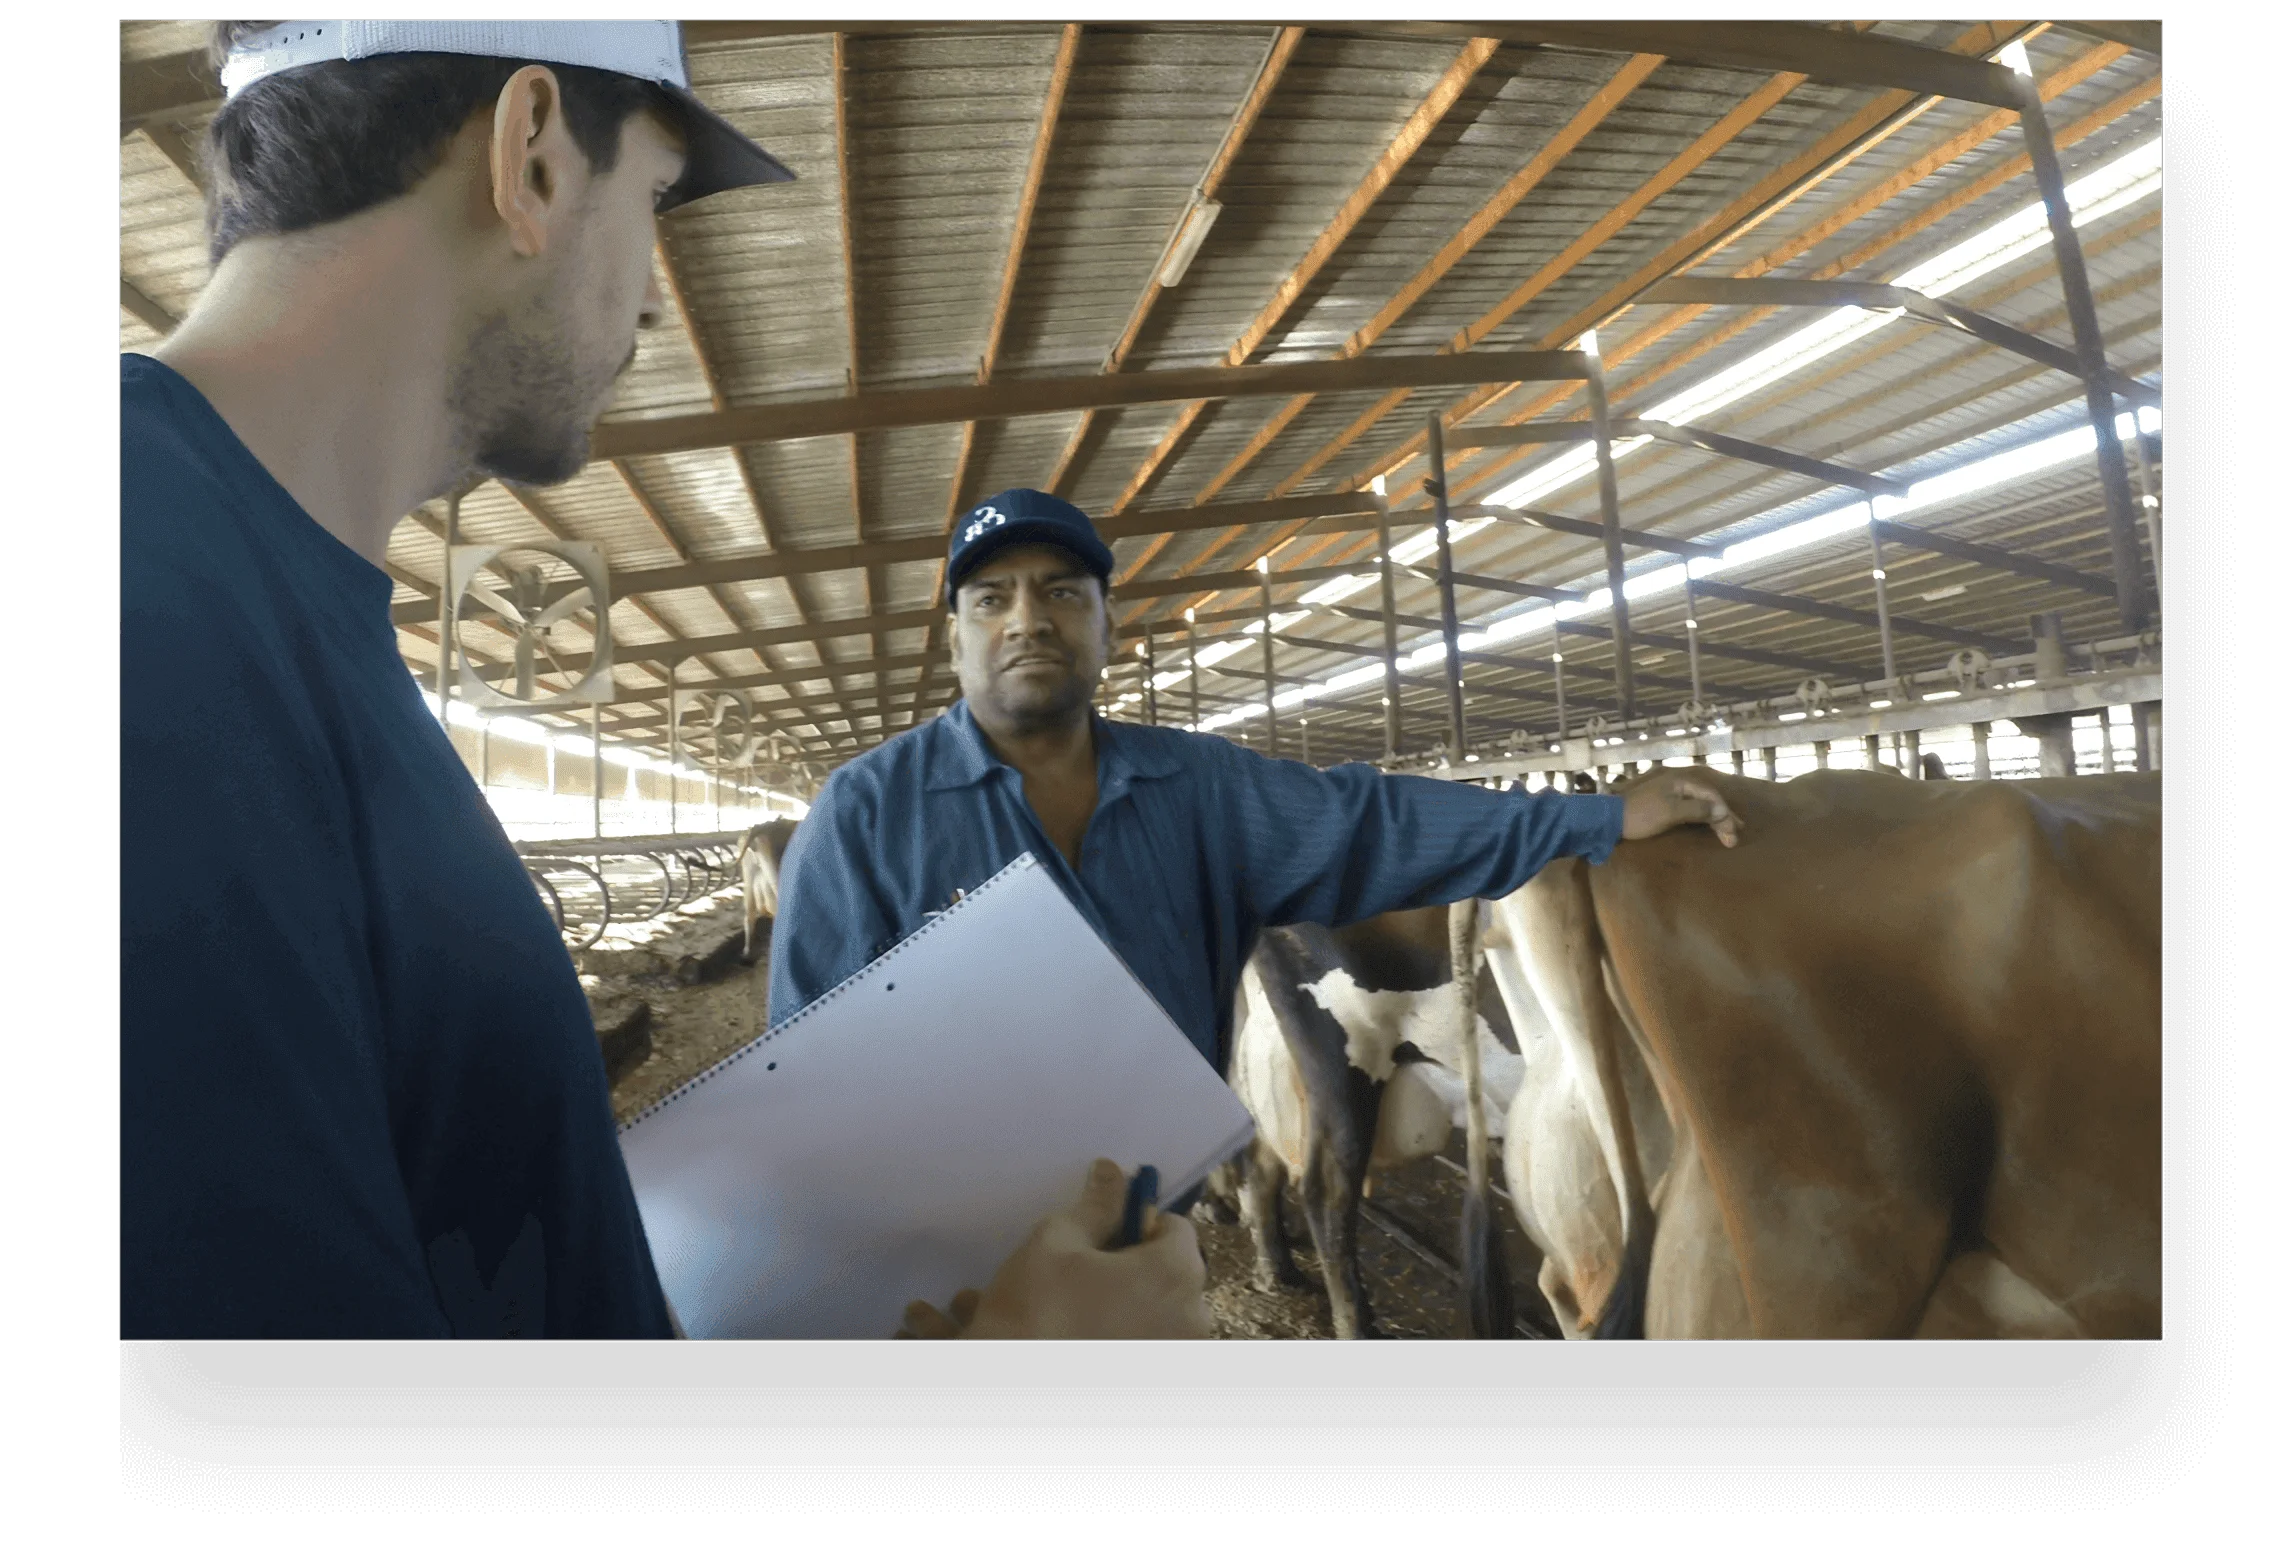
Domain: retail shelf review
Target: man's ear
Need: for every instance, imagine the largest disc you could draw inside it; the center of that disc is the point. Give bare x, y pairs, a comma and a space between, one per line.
531, 151
951, 634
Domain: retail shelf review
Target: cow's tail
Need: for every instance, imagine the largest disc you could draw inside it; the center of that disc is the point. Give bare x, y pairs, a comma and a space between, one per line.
1489, 1291
1558, 937
1625, 1313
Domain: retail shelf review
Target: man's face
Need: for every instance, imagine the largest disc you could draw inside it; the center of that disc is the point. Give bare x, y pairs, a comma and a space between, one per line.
538, 370
1029, 636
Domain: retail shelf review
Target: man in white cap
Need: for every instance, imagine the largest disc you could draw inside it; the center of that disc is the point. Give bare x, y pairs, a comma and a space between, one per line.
360, 1094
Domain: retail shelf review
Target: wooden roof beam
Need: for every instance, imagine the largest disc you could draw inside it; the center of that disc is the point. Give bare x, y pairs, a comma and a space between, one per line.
1864, 131
180, 86
1018, 239
878, 409
1232, 141
1408, 138
140, 304
825, 560
669, 268
1476, 227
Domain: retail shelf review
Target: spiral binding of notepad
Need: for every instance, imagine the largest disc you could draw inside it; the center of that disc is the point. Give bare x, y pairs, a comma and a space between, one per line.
932, 923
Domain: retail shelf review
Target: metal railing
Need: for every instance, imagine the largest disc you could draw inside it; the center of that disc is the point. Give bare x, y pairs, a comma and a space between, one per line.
590, 885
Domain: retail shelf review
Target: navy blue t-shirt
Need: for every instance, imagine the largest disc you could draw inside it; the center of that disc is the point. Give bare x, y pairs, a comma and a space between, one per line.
360, 1094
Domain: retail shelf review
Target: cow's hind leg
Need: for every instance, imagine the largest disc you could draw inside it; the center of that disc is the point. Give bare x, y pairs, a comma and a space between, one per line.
1331, 1195
1260, 1194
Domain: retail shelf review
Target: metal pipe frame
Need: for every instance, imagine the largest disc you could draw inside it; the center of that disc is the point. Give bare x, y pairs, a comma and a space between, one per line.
1446, 584
2077, 695
1612, 526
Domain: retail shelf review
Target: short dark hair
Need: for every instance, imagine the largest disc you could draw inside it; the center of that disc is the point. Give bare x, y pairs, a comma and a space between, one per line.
326, 141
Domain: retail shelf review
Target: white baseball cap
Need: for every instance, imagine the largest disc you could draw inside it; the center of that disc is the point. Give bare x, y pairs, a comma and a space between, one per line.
721, 157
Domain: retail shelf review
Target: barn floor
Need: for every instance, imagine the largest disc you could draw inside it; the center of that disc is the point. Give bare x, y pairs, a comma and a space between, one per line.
692, 1027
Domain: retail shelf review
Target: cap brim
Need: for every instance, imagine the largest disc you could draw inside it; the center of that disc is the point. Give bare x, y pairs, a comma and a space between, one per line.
720, 156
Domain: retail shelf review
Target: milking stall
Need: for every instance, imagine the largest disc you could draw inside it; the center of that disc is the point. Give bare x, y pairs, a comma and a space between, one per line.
1521, 406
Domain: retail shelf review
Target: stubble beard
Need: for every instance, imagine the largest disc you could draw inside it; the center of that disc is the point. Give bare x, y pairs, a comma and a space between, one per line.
522, 406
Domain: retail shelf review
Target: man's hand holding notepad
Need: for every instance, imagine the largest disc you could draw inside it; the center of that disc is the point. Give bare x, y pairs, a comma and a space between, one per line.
902, 1138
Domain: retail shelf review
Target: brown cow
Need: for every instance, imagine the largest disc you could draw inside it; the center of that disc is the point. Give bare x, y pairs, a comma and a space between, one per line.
1908, 1039
760, 854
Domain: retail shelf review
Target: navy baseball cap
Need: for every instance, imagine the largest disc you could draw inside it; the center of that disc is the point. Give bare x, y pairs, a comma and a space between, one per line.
1023, 517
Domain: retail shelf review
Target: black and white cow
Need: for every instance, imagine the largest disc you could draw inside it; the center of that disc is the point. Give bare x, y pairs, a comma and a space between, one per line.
1356, 1052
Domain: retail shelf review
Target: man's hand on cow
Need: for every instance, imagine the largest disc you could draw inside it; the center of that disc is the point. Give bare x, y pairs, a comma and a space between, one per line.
1061, 1283
1667, 798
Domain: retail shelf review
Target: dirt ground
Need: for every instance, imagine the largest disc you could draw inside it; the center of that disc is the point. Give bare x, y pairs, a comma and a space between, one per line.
693, 1027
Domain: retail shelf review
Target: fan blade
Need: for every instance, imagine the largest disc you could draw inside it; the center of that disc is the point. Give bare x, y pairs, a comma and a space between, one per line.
495, 601
576, 601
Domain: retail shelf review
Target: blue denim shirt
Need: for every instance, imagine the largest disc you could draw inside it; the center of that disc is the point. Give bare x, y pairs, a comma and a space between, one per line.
1194, 846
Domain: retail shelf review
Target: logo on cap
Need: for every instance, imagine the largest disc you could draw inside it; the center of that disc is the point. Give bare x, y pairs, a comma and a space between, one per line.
986, 519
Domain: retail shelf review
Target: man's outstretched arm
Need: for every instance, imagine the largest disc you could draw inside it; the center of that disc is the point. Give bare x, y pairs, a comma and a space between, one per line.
1340, 845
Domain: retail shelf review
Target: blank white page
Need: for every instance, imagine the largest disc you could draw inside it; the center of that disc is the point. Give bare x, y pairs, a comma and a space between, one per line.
900, 1136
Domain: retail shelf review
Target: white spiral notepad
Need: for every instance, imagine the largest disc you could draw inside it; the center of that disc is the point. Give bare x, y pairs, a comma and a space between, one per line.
898, 1137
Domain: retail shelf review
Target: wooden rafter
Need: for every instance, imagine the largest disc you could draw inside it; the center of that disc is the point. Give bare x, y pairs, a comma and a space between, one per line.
875, 577
1868, 127
1018, 239
1239, 130
1808, 238
1404, 145
1687, 161
1476, 227
669, 267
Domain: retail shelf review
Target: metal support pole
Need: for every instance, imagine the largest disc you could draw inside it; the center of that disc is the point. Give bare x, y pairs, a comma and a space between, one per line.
1392, 698
1149, 674
1913, 761
2147, 731
2150, 505
1560, 693
2107, 744
1981, 770
1885, 624
1735, 759
1612, 535
1304, 756
2055, 743
1767, 757
1453, 675
1695, 672
445, 638
1196, 675
1870, 748
2084, 325
673, 748
597, 708
1822, 755
1268, 654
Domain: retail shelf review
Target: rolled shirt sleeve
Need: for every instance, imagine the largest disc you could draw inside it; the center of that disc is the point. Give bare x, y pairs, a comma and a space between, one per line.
1343, 844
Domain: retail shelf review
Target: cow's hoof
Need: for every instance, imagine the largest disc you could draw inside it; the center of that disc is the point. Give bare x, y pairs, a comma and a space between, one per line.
1270, 1280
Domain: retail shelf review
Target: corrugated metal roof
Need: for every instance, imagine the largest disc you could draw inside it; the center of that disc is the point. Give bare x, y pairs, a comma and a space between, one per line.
889, 280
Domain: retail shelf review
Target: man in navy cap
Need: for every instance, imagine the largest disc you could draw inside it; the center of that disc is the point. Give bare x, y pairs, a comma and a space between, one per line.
1177, 846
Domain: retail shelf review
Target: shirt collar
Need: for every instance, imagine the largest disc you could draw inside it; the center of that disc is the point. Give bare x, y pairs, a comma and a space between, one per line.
964, 758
